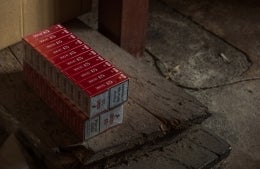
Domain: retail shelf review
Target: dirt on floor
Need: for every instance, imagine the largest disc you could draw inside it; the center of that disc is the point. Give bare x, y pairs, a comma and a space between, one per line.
235, 21
229, 86
211, 49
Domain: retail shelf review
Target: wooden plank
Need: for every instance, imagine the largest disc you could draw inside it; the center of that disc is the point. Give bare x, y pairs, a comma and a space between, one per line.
18, 51
153, 109
8, 63
33, 114
193, 148
148, 90
124, 22
26, 106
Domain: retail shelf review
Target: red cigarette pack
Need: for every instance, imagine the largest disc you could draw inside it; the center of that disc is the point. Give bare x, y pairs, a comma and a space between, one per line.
69, 84
96, 98
84, 55
39, 38
70, 54
63, 47
64, 61
83, 65
56, 43
91, 71
89, 81
73, 117
69, 63
66, 111
35, 39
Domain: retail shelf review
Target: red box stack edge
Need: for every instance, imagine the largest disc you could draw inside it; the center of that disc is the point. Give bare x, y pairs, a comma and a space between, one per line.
66, 111
74, 118
57, 48
49, 50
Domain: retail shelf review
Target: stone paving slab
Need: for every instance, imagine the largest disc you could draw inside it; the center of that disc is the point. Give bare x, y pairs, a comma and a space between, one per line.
235, 21
210, 142
195, 148
189, 55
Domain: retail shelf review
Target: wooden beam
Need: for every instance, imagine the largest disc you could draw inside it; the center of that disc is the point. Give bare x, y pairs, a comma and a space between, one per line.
124, 22
86, 5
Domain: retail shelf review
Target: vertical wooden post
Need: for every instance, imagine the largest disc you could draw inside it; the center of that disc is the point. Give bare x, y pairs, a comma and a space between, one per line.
125, 23
86, 5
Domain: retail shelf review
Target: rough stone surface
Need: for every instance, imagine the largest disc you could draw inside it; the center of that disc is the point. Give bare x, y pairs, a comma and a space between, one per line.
235, 108
236, 21
193, 56
183, 151
190, 154
210, 142
153, 161
235, 117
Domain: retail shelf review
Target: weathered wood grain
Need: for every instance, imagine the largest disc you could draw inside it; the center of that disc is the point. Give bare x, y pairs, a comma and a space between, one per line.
160, 98
23, 104
8, 63
147, 88
155, 106
18, 51
35, 115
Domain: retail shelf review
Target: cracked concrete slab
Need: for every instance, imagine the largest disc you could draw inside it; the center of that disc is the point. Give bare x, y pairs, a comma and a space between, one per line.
193, 57
236, 21
235, 107
183, 152
235, 116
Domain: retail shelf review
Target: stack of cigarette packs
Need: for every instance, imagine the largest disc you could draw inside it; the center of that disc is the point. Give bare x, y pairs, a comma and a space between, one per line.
84, 89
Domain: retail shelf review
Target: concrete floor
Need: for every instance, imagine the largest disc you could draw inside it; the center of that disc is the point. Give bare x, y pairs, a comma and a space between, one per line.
236, 21
235, 108
230, 89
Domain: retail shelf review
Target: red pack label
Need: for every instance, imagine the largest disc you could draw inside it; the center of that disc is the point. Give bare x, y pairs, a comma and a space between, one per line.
118, 94
83, 65
104, 85
78, 59
51, 37
65, 47
91, 71
111, 118
56, 43
70, 54
31, 39
98, 77
94, 77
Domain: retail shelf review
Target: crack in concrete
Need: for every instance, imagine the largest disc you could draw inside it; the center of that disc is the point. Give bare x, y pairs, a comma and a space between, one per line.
212, 33
165, 73
216, 86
